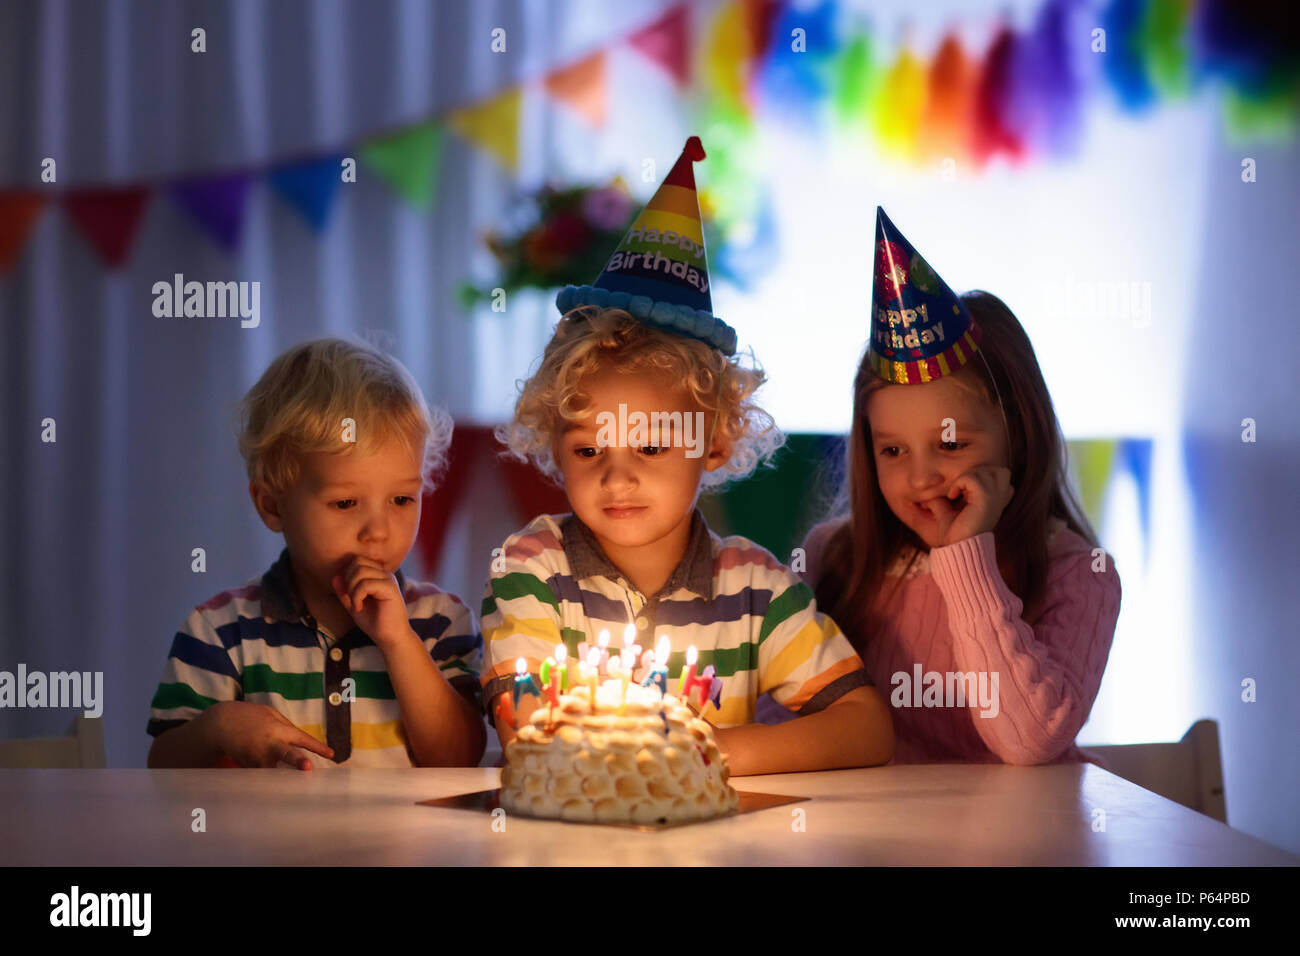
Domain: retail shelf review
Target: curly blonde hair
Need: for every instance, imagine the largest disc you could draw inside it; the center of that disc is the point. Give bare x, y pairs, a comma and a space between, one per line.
299, 405
588, 340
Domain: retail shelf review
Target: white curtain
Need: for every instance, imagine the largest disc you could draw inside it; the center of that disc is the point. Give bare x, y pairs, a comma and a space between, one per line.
95, 565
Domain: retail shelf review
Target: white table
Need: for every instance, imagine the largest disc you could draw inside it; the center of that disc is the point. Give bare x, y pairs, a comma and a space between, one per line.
936, 814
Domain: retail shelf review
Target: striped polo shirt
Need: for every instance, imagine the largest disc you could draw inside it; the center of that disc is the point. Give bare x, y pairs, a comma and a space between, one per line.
748, 615
259, 643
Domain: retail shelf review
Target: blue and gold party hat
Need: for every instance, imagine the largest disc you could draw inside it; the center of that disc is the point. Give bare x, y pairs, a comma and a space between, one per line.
920, 329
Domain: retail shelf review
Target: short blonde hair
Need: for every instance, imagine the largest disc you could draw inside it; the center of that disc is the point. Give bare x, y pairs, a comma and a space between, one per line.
299, 404
590, 339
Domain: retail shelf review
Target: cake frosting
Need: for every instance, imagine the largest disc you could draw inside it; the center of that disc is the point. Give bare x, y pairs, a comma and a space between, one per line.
655, 762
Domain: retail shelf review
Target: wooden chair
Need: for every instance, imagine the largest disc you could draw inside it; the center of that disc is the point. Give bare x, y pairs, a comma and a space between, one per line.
1189, 772
83, 750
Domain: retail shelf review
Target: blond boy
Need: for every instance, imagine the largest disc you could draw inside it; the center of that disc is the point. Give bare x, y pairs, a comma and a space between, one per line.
332, 656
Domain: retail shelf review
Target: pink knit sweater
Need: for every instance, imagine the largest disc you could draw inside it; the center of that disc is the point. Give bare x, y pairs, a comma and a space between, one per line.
955, 614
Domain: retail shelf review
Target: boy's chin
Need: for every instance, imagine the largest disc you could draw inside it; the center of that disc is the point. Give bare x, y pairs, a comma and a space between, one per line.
626, 532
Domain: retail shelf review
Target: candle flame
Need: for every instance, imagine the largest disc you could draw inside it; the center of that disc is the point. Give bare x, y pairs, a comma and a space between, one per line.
521, 667
629, 633
662, 650
603, 639
561, 652
692, 655
593, 657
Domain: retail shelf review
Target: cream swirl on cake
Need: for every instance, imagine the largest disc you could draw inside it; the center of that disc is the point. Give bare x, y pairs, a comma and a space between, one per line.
655, 762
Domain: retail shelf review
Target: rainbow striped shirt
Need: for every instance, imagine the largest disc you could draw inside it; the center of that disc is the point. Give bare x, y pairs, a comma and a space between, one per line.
259, 644
748, 615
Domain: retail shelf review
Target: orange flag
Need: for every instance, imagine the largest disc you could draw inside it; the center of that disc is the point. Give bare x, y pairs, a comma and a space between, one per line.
950, 103
582, 87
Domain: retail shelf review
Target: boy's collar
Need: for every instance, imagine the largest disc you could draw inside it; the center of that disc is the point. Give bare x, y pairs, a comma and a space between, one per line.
694, 572
280, 598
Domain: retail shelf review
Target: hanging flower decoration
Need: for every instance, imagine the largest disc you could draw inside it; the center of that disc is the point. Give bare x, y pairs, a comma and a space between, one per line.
559, 237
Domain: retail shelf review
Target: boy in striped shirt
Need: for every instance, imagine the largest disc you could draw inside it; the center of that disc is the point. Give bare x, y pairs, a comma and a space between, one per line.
638, 401
332, 656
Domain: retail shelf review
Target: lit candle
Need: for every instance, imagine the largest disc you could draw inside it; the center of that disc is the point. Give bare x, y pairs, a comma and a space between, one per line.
561, 661
602, 642
647, 664
688, 678
659, 673
591, 670
550, 681
523, 682
629, 635
626, 662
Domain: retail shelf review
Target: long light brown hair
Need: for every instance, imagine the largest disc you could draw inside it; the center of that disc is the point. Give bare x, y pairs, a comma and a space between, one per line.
869, 536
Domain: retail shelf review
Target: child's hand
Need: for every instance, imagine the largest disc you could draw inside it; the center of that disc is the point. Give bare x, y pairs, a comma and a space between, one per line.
371, 595
980, 496
255, 735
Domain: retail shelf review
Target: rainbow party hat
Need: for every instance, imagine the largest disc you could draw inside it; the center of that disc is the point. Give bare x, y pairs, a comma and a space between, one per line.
659, 272
920, 330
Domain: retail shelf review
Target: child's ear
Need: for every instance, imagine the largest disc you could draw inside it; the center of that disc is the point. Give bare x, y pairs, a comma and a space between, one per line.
268, 509
719, 450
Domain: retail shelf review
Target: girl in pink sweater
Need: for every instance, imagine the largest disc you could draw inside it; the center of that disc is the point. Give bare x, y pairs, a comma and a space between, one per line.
964, 572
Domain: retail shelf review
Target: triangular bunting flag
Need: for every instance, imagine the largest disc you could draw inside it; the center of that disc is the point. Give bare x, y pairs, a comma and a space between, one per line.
1091, 461
856, 82
492, 125
408, 161
900, 106
728, 54
666, 43
582, 87
763, 16
309, 187
216, 204
1136, 455
990, 132
108, 218
949, 103
18, 213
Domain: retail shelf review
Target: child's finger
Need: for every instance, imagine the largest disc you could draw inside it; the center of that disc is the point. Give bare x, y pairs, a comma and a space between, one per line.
295, 758
970, 485
340, 591
371, 587
305, 740
943, 512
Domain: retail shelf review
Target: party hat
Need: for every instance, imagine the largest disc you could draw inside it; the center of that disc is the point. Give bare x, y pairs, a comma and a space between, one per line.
659, 272
920, 330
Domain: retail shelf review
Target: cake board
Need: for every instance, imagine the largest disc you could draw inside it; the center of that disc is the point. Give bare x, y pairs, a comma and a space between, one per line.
485, 801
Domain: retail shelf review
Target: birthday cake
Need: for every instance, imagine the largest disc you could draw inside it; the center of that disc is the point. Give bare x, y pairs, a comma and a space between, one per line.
643, 759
